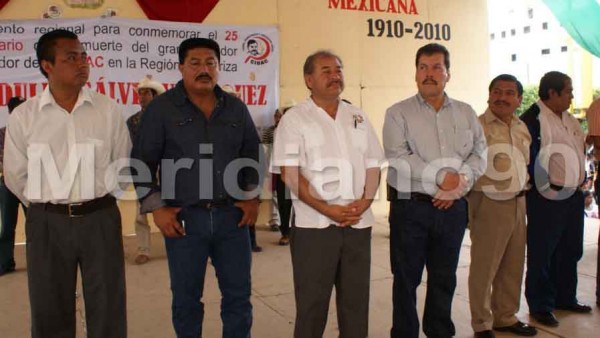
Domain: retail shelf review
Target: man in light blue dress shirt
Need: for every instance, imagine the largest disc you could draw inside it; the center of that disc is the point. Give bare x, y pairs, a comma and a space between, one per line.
436, 150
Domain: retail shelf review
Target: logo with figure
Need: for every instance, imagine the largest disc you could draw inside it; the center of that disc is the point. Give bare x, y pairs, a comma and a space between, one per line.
258, 47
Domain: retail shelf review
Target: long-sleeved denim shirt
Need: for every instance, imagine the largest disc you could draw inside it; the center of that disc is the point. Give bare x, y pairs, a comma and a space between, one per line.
196, 159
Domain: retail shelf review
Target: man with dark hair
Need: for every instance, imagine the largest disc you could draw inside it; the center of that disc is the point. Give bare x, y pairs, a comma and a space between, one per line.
73, 221
329, 158
436, 150
9, 206
497, 216
252, 46
202, 143
147, 89
554, 203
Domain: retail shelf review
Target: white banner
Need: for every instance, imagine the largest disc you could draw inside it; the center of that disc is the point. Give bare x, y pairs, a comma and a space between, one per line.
122, 51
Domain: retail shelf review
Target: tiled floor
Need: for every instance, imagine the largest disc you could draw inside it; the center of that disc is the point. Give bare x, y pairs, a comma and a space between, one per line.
149, 295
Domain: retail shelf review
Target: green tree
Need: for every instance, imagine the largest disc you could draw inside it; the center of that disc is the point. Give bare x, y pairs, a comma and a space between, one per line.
530, 96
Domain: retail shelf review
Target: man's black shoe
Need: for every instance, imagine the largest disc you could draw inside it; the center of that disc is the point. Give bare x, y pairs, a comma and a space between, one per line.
519, 328
546, 318
485, 334
7, 270
577, 308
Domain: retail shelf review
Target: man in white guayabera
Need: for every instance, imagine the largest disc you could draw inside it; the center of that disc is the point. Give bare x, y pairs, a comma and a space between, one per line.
329, 157
554, 202
59, 155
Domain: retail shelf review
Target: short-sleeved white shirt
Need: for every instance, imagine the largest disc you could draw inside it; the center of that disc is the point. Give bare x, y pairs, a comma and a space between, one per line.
333, 155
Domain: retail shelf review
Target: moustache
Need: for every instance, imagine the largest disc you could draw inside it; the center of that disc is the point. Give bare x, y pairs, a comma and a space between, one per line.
499, 102
339, 83
430, 81
203, 76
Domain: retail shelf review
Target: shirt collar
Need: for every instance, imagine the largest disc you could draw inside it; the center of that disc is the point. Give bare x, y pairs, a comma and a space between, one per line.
447, 100
489, 117
181, 95
48, 99
341, 108
545, 110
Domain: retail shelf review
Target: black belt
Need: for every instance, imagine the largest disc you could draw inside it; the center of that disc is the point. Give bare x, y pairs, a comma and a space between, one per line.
394, 195
214, 204
79, 209
417, 196
561, 187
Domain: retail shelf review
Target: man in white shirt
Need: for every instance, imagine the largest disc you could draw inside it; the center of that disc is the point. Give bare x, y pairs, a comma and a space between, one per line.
329, 157
58, 152
554, 203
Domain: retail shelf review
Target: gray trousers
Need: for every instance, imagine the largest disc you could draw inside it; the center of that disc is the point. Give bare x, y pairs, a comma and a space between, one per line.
322, 258
56, 245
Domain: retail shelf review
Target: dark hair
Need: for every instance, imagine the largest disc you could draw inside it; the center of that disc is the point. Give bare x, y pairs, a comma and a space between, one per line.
193, 43
46, 43
250, 41
309, 64
508, 78
552, 80
154, 92
14, 102
434, 48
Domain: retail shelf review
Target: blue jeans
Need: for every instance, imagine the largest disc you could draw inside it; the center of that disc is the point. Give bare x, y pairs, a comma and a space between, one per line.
211, 233
9, 209
423, 236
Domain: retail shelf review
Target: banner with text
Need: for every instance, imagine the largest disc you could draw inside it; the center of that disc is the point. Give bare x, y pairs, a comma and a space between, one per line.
122, 51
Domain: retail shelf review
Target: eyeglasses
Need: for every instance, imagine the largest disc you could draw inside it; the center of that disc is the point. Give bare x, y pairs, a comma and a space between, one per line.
208, 64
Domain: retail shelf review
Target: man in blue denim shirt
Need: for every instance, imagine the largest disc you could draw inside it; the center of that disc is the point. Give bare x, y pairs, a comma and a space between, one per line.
204, 145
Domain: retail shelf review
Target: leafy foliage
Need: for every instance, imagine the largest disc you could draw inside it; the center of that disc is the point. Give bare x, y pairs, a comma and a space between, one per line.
530, 96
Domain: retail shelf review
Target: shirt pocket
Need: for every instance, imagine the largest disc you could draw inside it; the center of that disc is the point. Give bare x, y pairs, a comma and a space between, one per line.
358, 139
314, 144
463, 141
230, 132
522, 147
313, 136
182, 136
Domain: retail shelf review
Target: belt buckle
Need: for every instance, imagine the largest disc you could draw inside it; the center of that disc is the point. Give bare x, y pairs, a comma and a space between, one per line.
210, 205
70, 209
